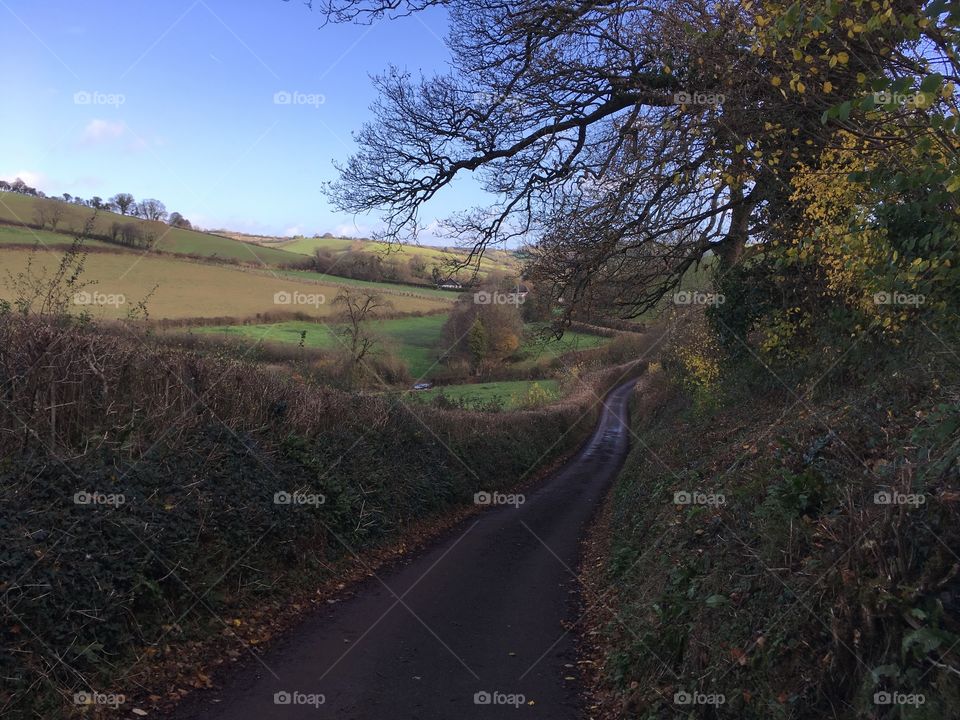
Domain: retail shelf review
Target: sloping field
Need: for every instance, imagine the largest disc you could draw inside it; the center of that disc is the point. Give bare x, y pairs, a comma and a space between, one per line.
187, 289
22, 209
492, 259
414, 339
384, 287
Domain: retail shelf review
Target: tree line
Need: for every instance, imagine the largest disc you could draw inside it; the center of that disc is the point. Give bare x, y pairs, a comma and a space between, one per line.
121, 203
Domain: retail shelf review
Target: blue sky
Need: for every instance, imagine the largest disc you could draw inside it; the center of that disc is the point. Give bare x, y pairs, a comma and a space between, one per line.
175, 100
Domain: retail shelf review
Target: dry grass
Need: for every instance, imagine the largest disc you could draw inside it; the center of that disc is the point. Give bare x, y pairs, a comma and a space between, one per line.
186, 289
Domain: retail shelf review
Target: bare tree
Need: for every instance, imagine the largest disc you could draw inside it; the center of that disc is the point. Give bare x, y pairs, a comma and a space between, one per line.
151, 209
123, 202
356, 309
622, 137
48, 213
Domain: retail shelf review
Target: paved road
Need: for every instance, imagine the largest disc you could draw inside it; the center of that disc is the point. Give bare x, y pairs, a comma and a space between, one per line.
480, 611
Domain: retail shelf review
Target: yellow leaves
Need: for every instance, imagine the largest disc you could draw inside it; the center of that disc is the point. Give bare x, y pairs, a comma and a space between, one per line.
843, 58
828, 87
667, 70
801, 88
861, 78
775, 81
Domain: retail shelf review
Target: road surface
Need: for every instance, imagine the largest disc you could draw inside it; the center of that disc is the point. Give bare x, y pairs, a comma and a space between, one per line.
471, 627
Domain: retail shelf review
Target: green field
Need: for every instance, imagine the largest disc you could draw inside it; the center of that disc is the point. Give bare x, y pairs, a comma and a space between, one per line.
510, 393
384, 287
538, 347
12, 235
15, 208
307, 246
414, 340
492, 259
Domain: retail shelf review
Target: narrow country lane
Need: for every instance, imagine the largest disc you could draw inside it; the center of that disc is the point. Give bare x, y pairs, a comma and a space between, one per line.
478, 616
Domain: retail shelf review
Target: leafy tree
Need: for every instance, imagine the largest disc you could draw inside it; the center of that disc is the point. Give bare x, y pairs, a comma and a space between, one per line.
477, 342
179, 221
631, 141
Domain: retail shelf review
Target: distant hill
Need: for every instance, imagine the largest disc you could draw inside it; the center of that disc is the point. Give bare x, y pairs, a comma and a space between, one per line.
441, 257
24, 211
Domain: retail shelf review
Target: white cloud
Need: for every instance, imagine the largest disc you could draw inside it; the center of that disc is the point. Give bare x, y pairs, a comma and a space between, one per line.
352, 230
295, 230
99, 131
31, 178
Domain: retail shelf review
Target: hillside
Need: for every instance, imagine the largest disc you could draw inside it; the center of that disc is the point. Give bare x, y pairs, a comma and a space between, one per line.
21, 210
177, 287
441, 257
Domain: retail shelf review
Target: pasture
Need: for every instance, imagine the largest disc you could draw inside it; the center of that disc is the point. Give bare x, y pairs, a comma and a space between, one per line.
189, 289
511, 394
21, 210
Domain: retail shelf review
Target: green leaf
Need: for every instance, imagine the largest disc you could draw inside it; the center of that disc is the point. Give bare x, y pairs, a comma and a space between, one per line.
931, 83
935, 8
890, 671
927, 639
